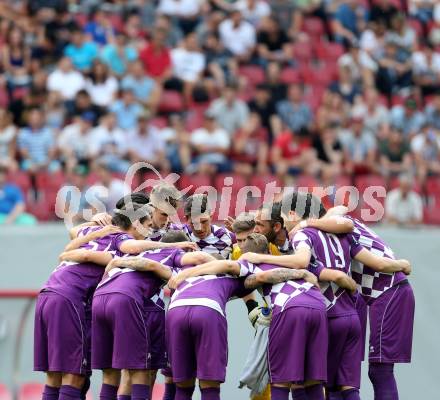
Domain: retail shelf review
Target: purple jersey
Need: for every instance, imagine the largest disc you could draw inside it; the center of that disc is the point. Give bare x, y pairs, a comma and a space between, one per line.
294, 293
77, 281
141, 286
212, 291
219, 241
330, 251
371, 283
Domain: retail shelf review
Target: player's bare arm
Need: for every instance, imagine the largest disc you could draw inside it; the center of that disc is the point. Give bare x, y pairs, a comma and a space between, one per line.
133, 246
196, 258
140, 264
277, 276
299, 260
102, 219
340, 278
87, 256
331, 224
383, 264
79, 241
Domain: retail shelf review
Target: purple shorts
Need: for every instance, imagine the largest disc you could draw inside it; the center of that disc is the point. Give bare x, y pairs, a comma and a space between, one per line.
61, 335
344, 357
120, 337
391, 325
362, 311
197, 343
156, 330
298, 345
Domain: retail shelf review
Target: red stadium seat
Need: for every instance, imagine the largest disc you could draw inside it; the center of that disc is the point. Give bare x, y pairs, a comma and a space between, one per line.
433, 189
194, 120
302, 52
314, 27
329, 51
394, 183
238, 181
49, 181
290, 75
5, 394
431, 215
159, 122
171, 101
196, 181
30, 391
42, 209
417, 26
21, 179
261, 181
253, 73
322, 75
364, 181
306, 183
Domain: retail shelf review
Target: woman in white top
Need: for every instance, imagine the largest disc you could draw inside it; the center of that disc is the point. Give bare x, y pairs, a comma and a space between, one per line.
8, 135
101, 86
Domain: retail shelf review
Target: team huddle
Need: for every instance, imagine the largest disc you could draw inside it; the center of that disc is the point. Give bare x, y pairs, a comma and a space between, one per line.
319, 273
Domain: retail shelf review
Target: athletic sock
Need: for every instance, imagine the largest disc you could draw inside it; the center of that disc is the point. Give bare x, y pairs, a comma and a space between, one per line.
124, 396
170, 391
108, 392
184, 393
351, 394
299, 394
212, 393
85, 388
140, 392
279, 393
384, 383
334, 396
51, 393
68, 392
315, 392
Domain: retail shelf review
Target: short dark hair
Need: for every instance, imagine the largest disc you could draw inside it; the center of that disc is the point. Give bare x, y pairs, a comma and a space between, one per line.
137, 197
305, 205
196, 204
124, 217
243, 223
174, 237
274, 210
256, 243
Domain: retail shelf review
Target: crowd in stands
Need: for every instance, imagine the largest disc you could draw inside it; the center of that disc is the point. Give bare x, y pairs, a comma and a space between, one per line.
323, 91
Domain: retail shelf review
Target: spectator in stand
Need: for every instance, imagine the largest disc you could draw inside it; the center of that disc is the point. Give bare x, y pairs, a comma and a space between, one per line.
394, 154
250, 150
295, 112
8, 139
402, 34
174, 33
156, 57
145, 88
118, 55
394, 71
407, 118
83, 103
101, 86
188, 64
404, 206
359, 148
425, 147
253, 11
333, 110
348, 21
185, 12
432, 111
426, 69
263, 106
346, 86
375, 114
100, 29
383, 11
126, 109
211, 144
372, 39
36, 144
229, 112
75, 142
104, 194
65, 80
292, 154
238, 36
177, 139
273, 42
146, 144
12, 206
80, 51
278, 89
329, 152
110, 143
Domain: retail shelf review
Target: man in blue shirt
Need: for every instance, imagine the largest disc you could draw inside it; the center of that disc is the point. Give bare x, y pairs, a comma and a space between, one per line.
81, 52
127, 110
12, 203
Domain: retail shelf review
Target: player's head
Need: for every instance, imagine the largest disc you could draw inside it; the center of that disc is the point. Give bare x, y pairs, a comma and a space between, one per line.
198, 215
164, 199
297, 206
268, 221
174, 237
256, 243
136, 197
134, 219
243, 226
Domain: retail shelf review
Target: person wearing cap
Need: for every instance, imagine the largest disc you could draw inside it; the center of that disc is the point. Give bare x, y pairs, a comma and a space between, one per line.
211, 144
75, 141
407, 117
12, 206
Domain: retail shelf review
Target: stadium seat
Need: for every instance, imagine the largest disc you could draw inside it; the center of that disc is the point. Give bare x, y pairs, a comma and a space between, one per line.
5, 394
433, 189
30, 391
194, 120
431, 215
42, 210
364, 181
394, 183
302, 52
417, 26
171, 101
290, 75
253, 73
314, 27
306, 182
328, 51
238, 181
159, 122
49, 181
21, 179
195, 180
261, 181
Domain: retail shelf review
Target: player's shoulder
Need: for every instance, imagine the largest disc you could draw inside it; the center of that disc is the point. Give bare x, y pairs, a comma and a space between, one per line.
222, 232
